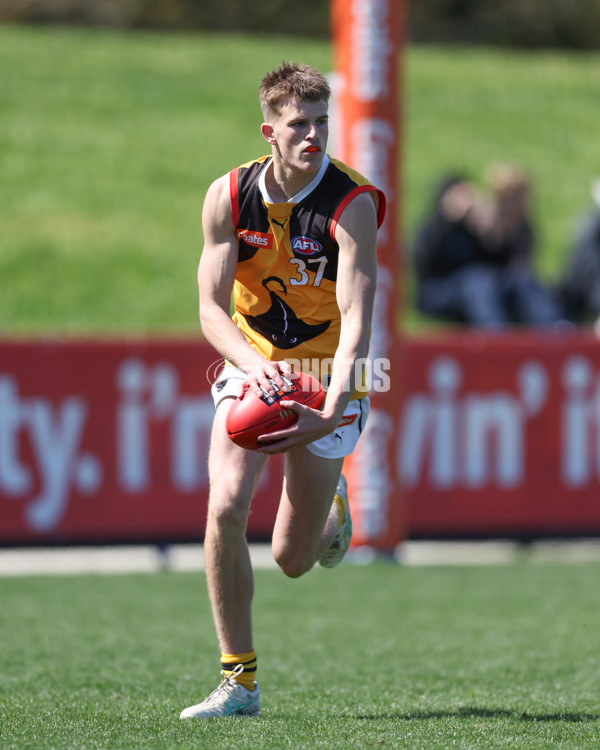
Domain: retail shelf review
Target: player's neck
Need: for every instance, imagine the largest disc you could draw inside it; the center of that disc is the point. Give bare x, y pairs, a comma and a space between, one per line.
284, 182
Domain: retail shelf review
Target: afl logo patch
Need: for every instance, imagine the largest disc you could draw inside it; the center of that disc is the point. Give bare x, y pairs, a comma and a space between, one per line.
305, 246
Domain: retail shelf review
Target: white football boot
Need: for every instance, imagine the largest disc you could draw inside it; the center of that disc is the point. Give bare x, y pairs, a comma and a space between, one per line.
334, 554
229, 699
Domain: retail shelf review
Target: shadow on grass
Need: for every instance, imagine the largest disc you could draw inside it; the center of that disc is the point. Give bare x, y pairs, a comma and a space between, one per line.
469, 712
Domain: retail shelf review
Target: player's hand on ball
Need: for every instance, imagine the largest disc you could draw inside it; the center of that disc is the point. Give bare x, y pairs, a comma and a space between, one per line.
259, 413
268, 377
311, 424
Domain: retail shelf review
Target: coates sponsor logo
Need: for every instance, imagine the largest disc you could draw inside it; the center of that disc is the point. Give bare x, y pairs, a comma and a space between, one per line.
305, 246
256, 239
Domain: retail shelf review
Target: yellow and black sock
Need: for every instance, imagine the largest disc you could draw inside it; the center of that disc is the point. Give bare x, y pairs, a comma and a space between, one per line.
248, 661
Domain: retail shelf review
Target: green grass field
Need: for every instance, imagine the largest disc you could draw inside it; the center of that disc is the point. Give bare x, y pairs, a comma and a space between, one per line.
109, 140
376, 656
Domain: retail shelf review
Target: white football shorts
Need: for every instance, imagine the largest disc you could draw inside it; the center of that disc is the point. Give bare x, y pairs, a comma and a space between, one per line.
339, 443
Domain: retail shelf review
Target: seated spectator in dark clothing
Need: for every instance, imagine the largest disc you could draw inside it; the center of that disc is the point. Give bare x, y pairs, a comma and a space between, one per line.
473, 256
579, 289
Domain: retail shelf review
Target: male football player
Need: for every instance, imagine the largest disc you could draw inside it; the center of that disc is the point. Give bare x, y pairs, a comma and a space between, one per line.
293, 236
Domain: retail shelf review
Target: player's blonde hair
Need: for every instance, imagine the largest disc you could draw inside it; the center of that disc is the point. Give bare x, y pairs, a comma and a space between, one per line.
291, 81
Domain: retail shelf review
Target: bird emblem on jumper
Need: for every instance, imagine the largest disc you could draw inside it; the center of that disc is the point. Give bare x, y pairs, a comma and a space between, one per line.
280, 324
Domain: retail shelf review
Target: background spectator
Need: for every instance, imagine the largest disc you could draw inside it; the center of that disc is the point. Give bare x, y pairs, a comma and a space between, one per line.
579, 288
473, 256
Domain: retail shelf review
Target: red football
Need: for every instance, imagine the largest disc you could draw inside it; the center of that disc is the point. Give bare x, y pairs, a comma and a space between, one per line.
252, 415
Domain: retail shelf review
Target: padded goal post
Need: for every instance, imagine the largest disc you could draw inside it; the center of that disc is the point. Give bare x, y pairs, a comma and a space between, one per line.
367, 39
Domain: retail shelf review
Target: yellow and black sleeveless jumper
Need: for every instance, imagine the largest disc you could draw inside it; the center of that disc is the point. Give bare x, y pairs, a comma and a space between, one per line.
284, 292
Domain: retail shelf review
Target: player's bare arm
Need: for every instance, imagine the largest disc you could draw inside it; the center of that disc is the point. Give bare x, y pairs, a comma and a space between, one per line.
356, 234
216, 275
355, 288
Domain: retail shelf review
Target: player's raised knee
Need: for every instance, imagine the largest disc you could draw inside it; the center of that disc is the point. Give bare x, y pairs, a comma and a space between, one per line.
293, 563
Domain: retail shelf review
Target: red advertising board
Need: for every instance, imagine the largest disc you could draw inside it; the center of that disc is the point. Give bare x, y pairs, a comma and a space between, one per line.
500, 435
107, 441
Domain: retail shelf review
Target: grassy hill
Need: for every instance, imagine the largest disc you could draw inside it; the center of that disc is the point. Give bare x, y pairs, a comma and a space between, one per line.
108, 141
